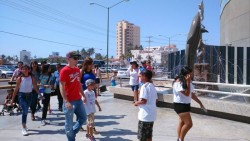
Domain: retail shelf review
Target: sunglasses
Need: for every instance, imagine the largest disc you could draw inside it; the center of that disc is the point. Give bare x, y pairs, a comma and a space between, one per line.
75, 57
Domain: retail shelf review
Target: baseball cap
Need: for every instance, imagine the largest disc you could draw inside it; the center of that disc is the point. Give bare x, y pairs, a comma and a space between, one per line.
133, 62
89, 82
72, 54
143, 62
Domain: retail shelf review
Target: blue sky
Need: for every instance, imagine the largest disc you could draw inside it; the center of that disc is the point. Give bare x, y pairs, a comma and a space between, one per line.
82, 25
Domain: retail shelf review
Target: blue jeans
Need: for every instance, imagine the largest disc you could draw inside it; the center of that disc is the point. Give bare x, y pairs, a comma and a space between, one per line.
33, 102
24, 101
79, 109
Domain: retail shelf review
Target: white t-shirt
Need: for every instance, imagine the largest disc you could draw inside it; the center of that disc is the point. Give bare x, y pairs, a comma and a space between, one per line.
90, 104
147, 112
133, 77
179, 97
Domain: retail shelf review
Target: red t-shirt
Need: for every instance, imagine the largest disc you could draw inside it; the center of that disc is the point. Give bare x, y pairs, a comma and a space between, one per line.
72, 86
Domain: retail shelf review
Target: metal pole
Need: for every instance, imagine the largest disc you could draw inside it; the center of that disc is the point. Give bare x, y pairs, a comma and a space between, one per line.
108, 45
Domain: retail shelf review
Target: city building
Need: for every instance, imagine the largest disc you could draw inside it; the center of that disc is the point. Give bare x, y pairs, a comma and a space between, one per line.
54, 55
128, 37
158, 54
25, 56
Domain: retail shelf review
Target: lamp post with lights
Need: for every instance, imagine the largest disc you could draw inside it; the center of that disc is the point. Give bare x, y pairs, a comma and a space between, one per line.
108, 8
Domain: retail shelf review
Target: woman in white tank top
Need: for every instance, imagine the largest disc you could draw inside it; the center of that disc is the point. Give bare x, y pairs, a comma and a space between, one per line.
24, 84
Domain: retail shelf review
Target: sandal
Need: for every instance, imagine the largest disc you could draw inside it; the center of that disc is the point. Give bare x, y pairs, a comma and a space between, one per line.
32, 117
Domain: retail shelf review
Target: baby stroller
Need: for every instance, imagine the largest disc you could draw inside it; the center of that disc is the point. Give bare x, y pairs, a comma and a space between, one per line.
7, 108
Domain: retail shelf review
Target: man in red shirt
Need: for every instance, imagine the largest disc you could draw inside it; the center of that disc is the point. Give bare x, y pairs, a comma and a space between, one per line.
71, 91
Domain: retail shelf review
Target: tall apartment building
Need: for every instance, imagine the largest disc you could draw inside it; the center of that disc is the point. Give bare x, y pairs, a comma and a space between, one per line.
128, 37
25, 56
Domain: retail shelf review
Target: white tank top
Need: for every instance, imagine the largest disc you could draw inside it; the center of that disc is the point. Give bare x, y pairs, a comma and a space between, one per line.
26, 84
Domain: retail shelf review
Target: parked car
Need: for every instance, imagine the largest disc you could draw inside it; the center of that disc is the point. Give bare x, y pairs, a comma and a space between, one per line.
6, 73
123, 72
10, 67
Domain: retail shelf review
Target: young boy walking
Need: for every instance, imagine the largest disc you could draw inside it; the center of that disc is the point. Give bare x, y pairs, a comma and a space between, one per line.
90, 107
147, 107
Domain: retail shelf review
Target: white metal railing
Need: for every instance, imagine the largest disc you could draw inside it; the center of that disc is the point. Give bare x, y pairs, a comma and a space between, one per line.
210, 83
221, 92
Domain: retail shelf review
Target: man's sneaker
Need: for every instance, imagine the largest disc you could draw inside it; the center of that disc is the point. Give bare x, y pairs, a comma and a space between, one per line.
60, 109
87, 136
43, 122
24, 132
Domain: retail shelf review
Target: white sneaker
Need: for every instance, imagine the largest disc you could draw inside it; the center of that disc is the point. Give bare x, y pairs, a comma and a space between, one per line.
43, 122
41, 98
24, 132
47, 121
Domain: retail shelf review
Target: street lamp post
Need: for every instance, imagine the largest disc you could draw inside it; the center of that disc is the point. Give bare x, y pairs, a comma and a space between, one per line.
108, 8
169, 37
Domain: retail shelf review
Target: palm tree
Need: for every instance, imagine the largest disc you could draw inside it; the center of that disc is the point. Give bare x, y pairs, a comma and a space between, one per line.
83, 53
122, 57
98, 56
3, 58
90, 51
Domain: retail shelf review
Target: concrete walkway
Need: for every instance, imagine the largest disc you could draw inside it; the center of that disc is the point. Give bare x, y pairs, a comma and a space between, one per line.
118, 122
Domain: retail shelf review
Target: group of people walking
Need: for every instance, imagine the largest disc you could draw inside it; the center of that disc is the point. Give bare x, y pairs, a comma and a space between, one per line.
34, 83
77, 95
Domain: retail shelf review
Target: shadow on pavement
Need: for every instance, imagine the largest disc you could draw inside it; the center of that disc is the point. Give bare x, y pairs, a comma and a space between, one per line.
110, 135
106, 123
113, 139
109, 117
39, 132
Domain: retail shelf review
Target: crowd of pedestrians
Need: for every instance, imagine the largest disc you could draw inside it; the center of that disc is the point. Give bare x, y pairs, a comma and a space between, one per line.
77, 91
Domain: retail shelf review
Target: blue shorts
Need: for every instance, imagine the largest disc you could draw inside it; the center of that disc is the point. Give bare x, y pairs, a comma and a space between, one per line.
135, 87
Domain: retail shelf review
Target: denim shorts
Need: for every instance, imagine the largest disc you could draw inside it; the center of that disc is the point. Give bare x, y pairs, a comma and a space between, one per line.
135, 87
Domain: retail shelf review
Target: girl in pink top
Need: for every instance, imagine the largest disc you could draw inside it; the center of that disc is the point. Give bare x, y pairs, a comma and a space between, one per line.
149, 67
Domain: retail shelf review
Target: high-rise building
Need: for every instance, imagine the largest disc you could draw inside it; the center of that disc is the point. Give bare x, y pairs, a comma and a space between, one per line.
128, 37
25, 56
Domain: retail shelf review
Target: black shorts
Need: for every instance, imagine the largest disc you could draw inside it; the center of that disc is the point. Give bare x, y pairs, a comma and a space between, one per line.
145, 130
182, 107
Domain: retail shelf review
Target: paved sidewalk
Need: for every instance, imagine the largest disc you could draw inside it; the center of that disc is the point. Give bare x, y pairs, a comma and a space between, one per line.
118, 122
